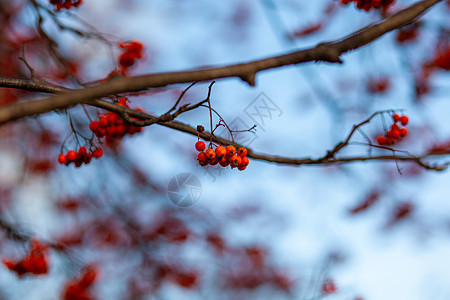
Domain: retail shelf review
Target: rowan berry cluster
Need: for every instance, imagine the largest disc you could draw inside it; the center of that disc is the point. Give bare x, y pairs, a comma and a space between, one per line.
223, 156
396, 132
34, 263
80, 157
369, 4
67, 4
112, 127
131, 51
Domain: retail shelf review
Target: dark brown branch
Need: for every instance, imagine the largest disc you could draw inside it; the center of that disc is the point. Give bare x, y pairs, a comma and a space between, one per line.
329, 52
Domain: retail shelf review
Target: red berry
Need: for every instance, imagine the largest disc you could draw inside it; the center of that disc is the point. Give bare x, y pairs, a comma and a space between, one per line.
381, 140
210, 153
97, 153
94, 126
404, 120
126, 60
395, 133
123, 102
396, 118
403, 131
221, 152
71, 156
244, 161
100, 133
389, 133
242, 168
235, 160
214, 161
87, 158
200, 146
62, 159
394, 126
82, 151
242, 151
202, 158
230, 150
224, 162
103, 122
390, 141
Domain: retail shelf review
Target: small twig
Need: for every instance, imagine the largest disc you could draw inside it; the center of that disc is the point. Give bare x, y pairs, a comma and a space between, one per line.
24, 60
210, 111
181, 96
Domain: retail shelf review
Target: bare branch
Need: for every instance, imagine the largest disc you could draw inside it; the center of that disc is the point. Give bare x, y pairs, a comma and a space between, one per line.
329, 52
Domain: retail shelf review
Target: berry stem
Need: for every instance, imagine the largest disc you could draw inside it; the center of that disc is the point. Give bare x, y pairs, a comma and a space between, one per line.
210, 111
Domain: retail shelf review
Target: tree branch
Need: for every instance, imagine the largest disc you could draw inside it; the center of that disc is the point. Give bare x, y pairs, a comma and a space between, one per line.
329, 52
327, 159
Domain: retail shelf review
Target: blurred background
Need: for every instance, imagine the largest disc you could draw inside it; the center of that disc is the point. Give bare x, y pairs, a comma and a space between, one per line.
361, 230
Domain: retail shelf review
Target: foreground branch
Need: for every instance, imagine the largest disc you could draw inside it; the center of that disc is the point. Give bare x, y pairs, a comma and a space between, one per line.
328, 52
327, 159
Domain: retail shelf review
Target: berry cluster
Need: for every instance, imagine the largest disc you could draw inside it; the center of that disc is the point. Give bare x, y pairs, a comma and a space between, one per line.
369, 4
328, 287
80, 157
80, 288
132, 51
112, 127
223, 156
67, 4
34, 263
395, 132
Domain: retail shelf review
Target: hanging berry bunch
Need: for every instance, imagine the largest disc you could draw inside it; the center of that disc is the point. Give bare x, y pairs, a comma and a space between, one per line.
36, 262
81, 286
67, 4
131, 51
223, 156
80, 157
396, 132
369, 4
112, 127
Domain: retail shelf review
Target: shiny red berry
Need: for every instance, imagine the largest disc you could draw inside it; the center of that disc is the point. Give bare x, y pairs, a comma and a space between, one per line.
224, 162
221, 152
62, 159
396, 118
214, 161
202, 159
241, 167
395, 133
94, 126
200, 146
231, 150
244, 161
235, 160
97, 153
242, 151
71, 156
381, 140
404, 120
82, 151
403, 131
210, 153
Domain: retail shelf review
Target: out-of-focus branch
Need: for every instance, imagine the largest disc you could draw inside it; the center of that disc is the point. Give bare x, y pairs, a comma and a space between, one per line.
328, 52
